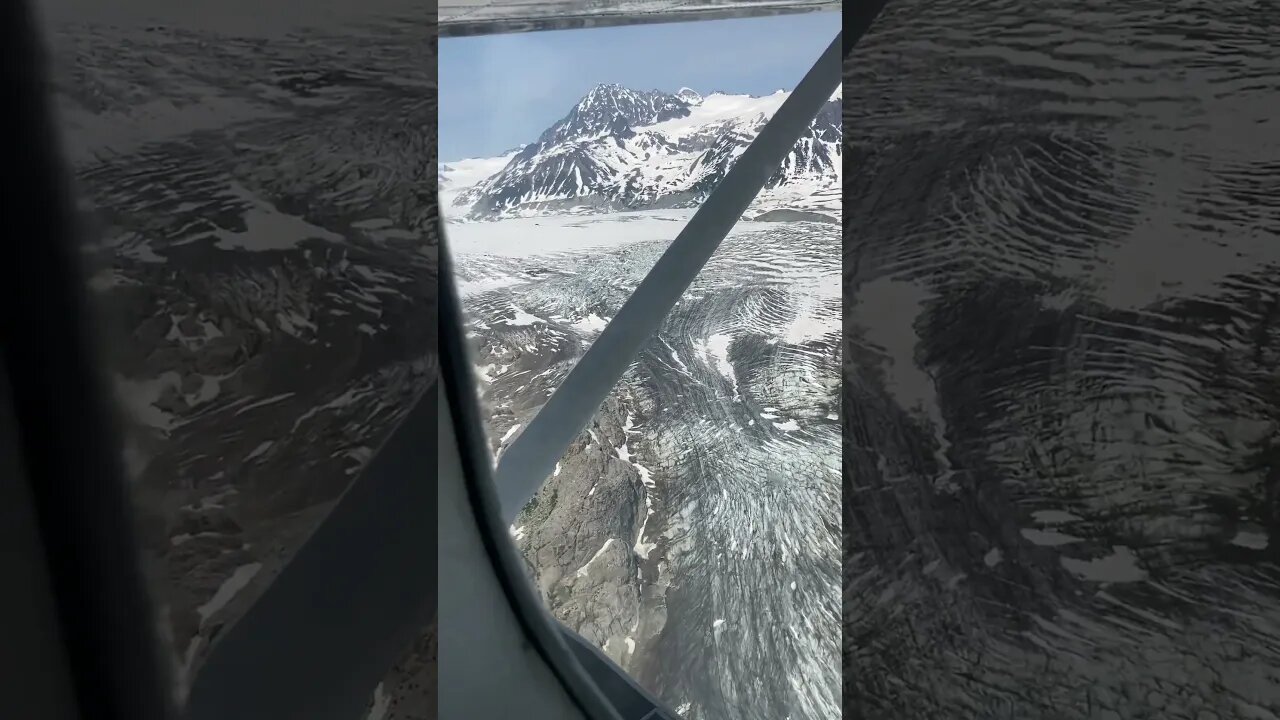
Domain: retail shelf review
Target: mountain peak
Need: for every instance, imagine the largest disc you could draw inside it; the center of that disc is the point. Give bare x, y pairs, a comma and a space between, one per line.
607, 90
614, 109
611, 98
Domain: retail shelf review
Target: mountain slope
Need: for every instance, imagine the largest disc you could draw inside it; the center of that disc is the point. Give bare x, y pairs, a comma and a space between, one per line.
622, 149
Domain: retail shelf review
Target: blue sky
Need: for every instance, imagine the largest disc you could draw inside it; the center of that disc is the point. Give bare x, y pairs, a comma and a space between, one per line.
500, 91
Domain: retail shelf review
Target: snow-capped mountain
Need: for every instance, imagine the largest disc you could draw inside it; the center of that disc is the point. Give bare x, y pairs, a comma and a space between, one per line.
622, 149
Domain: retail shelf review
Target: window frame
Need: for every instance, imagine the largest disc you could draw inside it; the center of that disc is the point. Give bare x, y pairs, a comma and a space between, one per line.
117, 668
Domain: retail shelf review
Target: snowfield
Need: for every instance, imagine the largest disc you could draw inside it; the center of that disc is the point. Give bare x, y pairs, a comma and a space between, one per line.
536, 236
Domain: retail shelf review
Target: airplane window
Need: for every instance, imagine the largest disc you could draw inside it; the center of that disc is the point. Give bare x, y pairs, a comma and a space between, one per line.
691, 531
254, 191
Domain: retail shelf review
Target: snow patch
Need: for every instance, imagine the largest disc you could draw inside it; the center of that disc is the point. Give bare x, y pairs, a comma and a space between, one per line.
263, 403
1051, 517
1048, 538
592, 323
585, 569
510, 433
381, 704
1251, 540
553, 234
266, 228
1120, 566
260, 450
468, 288
226, 592
522, 318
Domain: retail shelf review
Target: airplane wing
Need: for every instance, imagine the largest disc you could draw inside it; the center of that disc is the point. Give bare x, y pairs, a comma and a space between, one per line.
484, 17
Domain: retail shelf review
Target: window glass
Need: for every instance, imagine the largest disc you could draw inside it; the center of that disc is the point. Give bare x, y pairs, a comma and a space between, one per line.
692, 530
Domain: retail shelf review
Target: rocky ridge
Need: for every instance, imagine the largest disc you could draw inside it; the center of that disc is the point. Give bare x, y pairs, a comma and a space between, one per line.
621, 149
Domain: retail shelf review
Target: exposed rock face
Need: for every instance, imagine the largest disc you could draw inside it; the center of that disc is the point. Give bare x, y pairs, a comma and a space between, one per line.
577, 536
611, 108
577, 533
